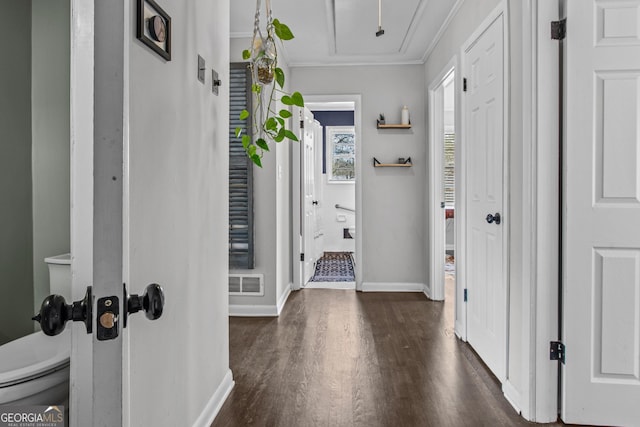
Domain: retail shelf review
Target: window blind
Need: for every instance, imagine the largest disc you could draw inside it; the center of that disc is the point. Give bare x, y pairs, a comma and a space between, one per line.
241, 233
449, 169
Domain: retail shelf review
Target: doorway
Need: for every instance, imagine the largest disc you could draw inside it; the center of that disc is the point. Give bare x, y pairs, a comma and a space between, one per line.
442, 98
331, 134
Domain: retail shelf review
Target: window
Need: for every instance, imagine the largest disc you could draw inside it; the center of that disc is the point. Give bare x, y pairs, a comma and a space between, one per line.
341, 146
240, 173
449, 170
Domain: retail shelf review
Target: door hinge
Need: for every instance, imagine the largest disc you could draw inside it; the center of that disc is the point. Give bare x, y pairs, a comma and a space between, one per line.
301, 124
464, 84
465, 295
558, 29
442, 204
302, 257
557, 351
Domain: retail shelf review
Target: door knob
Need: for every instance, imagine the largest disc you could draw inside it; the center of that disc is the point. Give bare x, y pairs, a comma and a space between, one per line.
493, 218
152, 302
55, 313
315, 202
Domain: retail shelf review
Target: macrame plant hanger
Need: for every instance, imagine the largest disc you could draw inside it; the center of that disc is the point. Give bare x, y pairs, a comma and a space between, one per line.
263, 52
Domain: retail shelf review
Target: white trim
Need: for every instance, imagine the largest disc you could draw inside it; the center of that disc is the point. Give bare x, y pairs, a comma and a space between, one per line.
512, 395
461, 237
330, 131
331, 285
216, 401
237, 310
445, 25
435, 288
283, 299
540, 207
393, 287
367, 62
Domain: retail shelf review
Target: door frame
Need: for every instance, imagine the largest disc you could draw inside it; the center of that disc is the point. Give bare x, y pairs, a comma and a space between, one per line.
538, 399
435, 289
296, 182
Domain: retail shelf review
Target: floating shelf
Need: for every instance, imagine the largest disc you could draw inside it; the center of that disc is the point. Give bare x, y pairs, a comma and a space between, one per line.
393, 126
407, 164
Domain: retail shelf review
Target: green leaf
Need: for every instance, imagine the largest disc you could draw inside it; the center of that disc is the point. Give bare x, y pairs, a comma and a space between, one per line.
244, 114
279, 77
246, 141
297, 99
271, 124
285, 114
251, 150
282, 31
280, 136
246, 54
292, 136
238, 132
281, 121
262, 144
256, 159
256, 88
286, 100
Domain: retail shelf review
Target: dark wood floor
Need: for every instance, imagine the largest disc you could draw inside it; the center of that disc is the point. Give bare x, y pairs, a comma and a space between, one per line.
344, 358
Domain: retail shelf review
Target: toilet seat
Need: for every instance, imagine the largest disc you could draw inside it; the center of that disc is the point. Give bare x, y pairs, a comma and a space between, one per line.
33, 363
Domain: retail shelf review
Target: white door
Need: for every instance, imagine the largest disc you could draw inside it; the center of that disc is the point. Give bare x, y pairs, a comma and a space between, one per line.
484, 141
601, 302
97, 202
318, 230
309, 201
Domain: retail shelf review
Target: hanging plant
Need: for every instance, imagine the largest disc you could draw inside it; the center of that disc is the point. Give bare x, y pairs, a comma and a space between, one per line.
267, 124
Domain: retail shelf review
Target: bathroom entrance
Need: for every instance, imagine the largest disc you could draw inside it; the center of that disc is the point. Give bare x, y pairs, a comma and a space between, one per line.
330, 174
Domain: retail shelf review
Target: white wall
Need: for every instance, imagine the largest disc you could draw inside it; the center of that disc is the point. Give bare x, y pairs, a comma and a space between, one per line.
394, 233
271, 214
344, 195
16, 243
468, 18
50, 130
178, 170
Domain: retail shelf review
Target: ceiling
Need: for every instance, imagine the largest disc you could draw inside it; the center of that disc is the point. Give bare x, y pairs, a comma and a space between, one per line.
343, 32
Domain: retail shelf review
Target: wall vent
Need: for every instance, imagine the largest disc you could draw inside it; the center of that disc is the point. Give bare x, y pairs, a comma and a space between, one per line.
246, 284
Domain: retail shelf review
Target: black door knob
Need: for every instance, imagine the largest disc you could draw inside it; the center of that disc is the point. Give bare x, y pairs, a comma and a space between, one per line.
152, 302
493, 218
315, 202
55, 313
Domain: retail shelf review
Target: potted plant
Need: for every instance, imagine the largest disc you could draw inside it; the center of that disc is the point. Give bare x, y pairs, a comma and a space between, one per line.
267, 124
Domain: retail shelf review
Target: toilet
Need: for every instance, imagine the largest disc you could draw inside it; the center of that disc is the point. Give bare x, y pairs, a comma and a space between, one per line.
34, 369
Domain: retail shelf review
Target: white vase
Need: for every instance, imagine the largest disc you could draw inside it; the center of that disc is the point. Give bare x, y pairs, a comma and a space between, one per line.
405, 115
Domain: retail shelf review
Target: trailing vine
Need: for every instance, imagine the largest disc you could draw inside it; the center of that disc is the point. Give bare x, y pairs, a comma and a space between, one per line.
267, 123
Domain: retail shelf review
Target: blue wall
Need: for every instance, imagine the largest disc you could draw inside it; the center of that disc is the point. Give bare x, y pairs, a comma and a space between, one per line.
331, 118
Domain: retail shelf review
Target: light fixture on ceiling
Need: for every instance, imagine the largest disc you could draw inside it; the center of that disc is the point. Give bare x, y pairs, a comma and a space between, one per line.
380, 30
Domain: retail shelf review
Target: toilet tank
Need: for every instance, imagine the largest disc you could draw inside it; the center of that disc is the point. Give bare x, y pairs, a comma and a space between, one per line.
60, 275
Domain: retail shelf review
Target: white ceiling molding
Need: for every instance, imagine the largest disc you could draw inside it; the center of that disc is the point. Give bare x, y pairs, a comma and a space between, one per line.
441, 31
417, 17
330, 6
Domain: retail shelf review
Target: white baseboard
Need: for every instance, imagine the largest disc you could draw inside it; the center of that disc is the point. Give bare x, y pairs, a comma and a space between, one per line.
392, 287
214, 404
283, 299
512, 395
239, 310
427, 291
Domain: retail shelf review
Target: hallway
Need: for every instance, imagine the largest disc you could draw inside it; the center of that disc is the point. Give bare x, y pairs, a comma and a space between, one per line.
341, 358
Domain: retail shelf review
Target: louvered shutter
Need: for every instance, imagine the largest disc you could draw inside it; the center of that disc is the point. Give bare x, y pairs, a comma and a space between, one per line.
241, 245
449, 169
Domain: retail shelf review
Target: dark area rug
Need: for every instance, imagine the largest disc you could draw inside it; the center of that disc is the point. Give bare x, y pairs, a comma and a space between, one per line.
334, 267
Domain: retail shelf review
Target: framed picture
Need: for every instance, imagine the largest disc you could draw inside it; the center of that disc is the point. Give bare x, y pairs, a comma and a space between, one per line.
341, 153
154, 28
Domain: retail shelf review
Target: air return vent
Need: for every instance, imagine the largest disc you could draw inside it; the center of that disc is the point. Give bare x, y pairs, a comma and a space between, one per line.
246, 284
